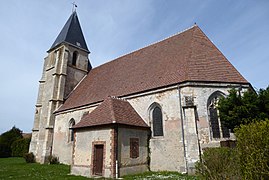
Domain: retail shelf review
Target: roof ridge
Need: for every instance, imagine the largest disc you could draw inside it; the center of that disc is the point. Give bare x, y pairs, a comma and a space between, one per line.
112, 111
117, 98
156, 42
151, 44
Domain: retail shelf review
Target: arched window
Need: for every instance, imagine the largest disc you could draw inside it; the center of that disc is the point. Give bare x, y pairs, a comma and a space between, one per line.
71, 131
74, 58
157, 120
218, 130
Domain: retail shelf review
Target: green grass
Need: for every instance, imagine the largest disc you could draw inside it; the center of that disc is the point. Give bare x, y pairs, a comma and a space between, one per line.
160, 175
17, 168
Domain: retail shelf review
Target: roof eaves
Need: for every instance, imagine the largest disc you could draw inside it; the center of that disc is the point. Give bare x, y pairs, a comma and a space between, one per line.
70, 44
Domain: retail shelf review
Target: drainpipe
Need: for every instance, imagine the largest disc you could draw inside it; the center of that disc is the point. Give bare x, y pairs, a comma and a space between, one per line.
197, 133
182, 129
117, 174
116, 149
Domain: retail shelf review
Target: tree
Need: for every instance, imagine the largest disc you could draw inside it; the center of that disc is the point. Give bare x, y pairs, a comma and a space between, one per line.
263, 102
6, 139
238, 108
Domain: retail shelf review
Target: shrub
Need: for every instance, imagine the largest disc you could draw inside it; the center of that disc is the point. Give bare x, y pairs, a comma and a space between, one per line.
253, 149
218, 163
20, 147
29, 157
53, 159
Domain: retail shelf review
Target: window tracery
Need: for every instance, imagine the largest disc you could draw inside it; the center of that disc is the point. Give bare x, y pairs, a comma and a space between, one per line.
218, 129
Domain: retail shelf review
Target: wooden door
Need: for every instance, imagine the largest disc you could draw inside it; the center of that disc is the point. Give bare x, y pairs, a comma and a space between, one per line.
98, 159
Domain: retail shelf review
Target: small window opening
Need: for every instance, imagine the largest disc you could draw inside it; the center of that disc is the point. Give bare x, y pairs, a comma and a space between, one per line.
134, 148
71, 131
74, 58
157, 119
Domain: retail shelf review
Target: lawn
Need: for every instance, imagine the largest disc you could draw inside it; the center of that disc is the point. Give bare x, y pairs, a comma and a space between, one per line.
16, 168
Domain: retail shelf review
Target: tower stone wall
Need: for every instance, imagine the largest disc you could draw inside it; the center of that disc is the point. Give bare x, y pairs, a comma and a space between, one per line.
60, 76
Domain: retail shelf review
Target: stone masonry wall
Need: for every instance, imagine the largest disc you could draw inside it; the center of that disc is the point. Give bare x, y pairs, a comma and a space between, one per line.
57, 81
62, 146
83, 151
128, 165
166, 152
196, 119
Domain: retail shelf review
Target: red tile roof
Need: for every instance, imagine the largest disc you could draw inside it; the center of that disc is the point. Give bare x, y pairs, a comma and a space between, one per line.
187, 56
112, 111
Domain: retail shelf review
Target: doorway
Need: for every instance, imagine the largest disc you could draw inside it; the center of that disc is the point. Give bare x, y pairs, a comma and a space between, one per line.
98, 159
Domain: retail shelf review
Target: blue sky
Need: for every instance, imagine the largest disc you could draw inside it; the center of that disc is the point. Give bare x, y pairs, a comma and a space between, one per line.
115, 27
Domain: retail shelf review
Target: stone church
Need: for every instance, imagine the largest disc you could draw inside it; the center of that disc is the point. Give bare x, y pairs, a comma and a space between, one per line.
152, 109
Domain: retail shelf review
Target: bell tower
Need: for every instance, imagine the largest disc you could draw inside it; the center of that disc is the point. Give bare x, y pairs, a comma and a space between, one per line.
65, 66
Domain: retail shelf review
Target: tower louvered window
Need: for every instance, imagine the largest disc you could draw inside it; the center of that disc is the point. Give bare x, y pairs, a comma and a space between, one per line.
157, 119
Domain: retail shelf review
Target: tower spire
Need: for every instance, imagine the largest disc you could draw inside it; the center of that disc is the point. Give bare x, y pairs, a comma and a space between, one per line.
71, 34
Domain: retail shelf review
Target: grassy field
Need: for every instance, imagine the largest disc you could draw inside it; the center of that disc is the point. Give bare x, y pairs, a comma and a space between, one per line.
16, 168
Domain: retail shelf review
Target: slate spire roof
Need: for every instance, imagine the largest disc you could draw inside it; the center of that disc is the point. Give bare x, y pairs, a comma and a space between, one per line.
112, 111
71, 34
186, 57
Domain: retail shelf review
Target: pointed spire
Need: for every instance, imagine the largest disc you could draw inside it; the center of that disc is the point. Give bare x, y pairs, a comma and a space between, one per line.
71, 34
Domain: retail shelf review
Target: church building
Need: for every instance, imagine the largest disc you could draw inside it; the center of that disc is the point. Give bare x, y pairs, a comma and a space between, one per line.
152, 109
